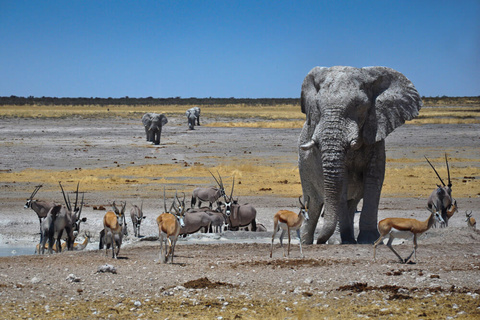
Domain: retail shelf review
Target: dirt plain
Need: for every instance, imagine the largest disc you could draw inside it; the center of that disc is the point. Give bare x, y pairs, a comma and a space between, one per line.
228, 275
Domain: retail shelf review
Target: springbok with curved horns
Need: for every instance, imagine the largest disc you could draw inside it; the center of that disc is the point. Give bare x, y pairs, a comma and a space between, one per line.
441, 197
169, 225
113, 227
287, 221
471, 222
404, 228
209, 194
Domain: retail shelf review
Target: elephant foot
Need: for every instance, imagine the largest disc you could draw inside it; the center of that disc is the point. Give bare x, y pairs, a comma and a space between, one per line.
368, 237
349, 241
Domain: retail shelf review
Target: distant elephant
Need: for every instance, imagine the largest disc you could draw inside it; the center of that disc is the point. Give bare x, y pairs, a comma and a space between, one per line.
153, 123
349, 113
193, 115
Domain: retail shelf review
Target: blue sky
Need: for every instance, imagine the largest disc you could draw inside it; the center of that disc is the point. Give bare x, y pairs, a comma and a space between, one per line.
242, 49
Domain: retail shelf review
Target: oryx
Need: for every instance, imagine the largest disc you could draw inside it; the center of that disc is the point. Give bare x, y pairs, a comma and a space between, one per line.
67, 220
209, 194
441, 197
239, 215
40, 207
136, 214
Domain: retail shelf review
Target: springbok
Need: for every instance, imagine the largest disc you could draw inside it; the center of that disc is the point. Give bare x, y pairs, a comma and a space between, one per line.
287, 221
209, 194
404, 228
137, 216
77, 246
113, 227
239, 215
40, 207
441, 197
470, 220
169, 225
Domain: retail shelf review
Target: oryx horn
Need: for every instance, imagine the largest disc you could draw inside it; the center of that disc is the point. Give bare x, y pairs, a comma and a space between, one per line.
443, 183
448, 171
231, 193
67, 203
35, 191
220, 184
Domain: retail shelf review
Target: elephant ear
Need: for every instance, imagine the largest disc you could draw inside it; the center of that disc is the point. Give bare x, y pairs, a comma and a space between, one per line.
394, 101
310, 87
164, 120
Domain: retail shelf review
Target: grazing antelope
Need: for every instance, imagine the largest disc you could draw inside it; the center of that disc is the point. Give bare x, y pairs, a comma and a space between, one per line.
113, 227
169, 225
40, 207
137, 216
209, 194
404, 228
441, 197
239, 215
289, 220
470, 220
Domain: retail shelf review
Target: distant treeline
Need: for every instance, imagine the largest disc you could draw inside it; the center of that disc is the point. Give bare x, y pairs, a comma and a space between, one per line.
48, 101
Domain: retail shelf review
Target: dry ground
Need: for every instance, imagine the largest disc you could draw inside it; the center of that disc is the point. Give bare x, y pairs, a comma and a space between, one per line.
229, 275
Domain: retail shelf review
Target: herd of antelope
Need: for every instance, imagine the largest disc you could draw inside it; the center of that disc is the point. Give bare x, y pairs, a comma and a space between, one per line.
62, 222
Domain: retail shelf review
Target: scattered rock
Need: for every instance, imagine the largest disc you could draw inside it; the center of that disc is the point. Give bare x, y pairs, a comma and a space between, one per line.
107, 268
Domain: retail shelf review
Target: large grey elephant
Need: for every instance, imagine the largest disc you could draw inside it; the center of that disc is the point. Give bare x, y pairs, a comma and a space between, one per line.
349, 113
193, 115
153, 123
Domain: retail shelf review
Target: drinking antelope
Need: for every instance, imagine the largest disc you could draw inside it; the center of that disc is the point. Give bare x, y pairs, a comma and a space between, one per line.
169, 225
404, 228
40, 207
137, 216
113, 227
77, 246
287, 221
209, 194
441, 197
470, 220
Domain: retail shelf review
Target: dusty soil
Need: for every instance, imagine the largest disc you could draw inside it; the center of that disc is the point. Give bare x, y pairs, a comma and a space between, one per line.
228, 275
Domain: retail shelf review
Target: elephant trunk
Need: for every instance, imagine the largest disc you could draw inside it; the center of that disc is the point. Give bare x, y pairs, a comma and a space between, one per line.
334, 188
334, 136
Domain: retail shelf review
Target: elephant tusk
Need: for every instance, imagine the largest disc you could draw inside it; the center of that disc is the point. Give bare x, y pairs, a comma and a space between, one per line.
309, 145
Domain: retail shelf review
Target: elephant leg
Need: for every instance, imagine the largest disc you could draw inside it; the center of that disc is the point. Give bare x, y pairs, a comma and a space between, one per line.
373, 182
347, 227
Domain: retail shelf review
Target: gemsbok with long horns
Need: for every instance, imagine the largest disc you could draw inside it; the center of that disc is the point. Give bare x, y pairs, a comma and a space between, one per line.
441, 197
404, 228
113, 228
239, 215
136, 214
68, 220
169, 225
210, 194
40, 207
288, 221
